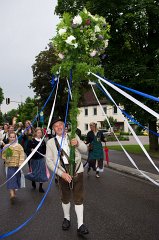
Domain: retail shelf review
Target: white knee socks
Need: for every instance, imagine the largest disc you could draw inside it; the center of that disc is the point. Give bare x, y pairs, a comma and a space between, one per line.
79, 213
66, 210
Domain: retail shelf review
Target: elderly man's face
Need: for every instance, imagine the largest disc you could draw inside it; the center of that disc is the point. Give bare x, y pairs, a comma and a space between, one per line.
58, 127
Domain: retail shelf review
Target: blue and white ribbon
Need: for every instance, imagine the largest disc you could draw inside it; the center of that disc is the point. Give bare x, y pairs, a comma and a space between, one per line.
127, 154
149, 110
36, 148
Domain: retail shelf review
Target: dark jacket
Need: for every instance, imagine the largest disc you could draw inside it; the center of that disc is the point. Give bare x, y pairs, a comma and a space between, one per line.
42, 149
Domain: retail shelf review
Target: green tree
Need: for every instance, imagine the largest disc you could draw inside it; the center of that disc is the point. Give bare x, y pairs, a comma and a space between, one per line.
71, 6
132, 57
41, 83
112, 122
1, 95
134, 54
27, 110
1, 118
10, 115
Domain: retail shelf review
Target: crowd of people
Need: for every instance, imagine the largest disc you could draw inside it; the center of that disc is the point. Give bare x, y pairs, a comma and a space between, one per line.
18, 142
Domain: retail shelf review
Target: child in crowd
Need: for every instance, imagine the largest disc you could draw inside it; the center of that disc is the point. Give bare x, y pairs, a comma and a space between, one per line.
14, 157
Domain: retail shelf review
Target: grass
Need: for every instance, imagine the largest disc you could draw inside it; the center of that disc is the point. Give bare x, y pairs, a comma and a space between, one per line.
134, 149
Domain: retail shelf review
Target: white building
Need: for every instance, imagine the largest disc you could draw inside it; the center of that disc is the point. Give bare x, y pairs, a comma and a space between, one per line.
90, 111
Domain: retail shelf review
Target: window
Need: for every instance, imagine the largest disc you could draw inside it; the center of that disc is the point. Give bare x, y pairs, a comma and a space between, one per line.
94, 111
115, 109
105, 110
86, 112
86, 126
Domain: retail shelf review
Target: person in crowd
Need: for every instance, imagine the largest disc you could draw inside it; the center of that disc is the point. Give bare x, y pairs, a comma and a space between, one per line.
68, 184
96, 155
13, 156
37, 162
5, 133
19, 131
11, 129
27, 136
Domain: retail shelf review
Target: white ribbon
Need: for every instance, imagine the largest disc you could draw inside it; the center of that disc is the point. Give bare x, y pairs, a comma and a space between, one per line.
69, 88
127, 154
36, 148
131, 129
149, 110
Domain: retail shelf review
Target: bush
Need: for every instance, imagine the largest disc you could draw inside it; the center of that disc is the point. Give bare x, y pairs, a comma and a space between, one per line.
83, 137
124, 133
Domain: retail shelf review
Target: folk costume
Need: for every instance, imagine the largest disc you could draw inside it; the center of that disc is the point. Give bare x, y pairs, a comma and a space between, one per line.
12, 164
75, 188
37, 164
96, 154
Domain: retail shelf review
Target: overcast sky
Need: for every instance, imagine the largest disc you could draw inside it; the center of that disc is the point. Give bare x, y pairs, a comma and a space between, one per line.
26, 27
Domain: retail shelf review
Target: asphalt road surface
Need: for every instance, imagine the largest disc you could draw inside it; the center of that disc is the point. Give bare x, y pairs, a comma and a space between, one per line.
117, 207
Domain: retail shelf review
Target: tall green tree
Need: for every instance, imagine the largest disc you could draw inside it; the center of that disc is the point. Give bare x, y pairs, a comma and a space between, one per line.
8, 117
132, 57
1, 95
27, 110
71, 6
42, 78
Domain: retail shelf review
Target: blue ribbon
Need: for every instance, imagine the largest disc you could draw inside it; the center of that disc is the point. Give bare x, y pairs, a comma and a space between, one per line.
136, 122
48, 189
128, 116
133, 90
53, 80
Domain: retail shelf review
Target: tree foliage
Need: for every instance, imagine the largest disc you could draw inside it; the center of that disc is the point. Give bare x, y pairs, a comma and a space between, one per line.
27, 110
8, 117
133, 52
1, 95
42, 78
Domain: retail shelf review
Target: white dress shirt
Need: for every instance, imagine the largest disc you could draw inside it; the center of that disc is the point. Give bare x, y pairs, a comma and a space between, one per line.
64, 146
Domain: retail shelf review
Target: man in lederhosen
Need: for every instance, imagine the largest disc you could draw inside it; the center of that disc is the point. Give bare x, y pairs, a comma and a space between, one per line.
68, 185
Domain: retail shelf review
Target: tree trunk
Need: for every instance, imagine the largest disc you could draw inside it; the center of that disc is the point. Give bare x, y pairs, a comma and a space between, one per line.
153, 139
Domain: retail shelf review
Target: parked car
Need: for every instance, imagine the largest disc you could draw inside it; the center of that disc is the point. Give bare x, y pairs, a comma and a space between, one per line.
106, 132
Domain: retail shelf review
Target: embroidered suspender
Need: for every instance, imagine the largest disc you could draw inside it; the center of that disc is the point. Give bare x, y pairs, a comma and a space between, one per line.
63, 153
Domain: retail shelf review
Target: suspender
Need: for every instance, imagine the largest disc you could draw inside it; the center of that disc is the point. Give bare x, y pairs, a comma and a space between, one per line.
63, 153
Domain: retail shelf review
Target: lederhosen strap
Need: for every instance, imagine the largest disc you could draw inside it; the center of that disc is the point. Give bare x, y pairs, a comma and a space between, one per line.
63, 153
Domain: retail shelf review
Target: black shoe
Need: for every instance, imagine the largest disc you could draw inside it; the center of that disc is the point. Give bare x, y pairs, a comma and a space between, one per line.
83, 230
34, 185
41, 190
65, 224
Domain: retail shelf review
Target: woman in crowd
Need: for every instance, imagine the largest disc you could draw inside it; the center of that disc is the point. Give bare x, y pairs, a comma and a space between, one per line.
14, 157
95, 155
27, 136
5, 133
19, 131
37, 162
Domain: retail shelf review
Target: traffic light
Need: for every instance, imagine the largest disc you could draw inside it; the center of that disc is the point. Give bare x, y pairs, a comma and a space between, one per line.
7, 101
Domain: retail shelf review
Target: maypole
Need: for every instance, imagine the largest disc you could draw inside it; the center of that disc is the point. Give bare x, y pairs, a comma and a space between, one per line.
80, 44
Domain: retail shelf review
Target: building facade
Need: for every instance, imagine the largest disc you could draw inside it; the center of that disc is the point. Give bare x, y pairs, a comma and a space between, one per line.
90, 111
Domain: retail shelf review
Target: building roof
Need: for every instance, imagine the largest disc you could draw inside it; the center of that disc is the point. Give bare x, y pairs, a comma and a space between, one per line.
89, 99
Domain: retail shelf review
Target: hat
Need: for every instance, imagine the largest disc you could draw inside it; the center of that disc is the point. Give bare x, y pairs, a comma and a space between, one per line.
56, 119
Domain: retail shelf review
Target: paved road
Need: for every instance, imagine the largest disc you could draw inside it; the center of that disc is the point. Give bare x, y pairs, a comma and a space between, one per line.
143, 139
118, 207
141, 161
